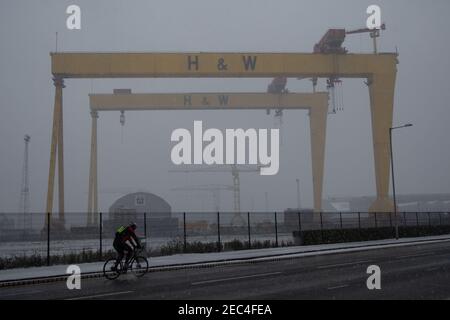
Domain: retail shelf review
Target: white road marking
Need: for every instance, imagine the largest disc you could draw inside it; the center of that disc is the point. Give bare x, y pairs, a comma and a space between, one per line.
339, 287
342, 264
236, 278
415, 255
433, 269
101, 295
19, 293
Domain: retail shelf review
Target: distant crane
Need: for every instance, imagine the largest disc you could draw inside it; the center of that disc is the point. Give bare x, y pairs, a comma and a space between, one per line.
331, 43
25, 187
235, 171
213, 188
374, 34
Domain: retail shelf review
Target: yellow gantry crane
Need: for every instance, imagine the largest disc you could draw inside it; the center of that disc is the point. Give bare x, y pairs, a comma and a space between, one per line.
378, 69
124, 100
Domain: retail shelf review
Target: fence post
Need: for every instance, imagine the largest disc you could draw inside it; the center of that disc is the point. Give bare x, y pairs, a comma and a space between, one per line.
48, 238
321, 226
145, 226
376, 221
300, 228
359, 221
299, 223
417, 224
276, 230
101, 235
440, 219
219, 245
184, 232
396, 226
248, 226
359, 225
340, 220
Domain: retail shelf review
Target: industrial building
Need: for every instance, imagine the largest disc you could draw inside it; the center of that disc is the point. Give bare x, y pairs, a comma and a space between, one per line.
134, 207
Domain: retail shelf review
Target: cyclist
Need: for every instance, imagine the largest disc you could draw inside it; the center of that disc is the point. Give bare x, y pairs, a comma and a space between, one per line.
125, 241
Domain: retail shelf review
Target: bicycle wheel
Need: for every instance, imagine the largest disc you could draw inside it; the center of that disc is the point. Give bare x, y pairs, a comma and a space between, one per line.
107, 272
139, 266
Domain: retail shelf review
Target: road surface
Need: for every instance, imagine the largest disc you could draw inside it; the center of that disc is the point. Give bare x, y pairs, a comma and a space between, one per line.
420, 271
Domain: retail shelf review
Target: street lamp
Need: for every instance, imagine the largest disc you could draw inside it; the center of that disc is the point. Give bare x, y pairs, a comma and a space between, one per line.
393, 177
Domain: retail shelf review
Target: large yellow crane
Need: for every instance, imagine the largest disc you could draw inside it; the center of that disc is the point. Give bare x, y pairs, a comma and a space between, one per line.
379, 70
123, 100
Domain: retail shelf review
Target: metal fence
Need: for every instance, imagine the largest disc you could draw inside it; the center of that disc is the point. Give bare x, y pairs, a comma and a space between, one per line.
42, 235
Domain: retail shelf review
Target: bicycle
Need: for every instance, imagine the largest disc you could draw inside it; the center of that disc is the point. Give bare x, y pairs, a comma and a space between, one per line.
138, 265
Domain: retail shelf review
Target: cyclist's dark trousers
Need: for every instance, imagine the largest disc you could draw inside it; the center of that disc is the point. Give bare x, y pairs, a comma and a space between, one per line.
121, 248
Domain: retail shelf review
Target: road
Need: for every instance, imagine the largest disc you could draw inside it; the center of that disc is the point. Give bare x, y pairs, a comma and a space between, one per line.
414, 272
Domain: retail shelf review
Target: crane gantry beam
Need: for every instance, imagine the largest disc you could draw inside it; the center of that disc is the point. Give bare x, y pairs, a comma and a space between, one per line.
379, 69
206, 101
219, 65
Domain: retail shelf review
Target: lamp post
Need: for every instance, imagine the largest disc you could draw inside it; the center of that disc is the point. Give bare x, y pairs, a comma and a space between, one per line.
393, 176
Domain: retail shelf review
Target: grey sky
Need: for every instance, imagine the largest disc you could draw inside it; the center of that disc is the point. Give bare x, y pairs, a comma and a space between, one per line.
418, 29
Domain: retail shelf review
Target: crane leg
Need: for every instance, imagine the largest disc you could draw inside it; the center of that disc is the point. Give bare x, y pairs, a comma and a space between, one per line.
318, 126
61, 160
92, 171
59, 85
381, 88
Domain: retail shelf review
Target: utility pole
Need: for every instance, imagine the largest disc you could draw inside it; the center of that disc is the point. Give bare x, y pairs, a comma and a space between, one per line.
298, 194
393, 177
25, 187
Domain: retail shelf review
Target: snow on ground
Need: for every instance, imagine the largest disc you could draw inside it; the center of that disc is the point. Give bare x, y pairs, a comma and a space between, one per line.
181, 259
60, 247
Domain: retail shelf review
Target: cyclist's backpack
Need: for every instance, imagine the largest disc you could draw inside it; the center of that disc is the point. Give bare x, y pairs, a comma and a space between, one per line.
120, 230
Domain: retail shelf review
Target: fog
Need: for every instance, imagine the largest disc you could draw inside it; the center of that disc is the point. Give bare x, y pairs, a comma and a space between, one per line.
137, 156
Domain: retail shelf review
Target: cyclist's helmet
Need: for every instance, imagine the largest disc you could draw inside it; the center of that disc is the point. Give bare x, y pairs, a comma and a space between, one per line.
133, 225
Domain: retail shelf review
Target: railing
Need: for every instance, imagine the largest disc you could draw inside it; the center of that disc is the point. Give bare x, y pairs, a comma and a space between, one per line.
40, 236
